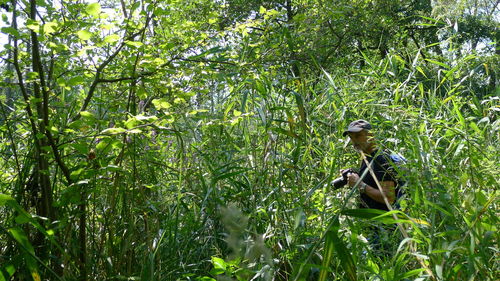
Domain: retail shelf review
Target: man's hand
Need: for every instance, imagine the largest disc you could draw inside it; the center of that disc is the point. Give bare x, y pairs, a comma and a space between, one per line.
352, 179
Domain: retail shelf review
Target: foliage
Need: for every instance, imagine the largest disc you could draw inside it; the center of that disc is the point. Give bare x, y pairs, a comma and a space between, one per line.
196, 140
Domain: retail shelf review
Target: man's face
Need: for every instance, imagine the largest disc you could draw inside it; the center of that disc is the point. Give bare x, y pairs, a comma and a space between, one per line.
361, 140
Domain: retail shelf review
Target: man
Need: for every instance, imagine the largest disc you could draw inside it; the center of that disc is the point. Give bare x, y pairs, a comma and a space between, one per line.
375, 193
381, 166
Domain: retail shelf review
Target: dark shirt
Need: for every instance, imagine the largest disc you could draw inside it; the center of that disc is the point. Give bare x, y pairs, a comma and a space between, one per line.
382, 167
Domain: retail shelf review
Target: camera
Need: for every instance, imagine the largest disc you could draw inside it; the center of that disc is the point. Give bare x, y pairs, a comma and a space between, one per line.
341, 181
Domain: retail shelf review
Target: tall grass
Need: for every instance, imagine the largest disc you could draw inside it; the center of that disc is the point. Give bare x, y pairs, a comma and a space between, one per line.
449, 136
242, 191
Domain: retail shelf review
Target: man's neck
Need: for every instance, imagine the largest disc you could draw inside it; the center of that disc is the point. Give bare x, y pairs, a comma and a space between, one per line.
370, 149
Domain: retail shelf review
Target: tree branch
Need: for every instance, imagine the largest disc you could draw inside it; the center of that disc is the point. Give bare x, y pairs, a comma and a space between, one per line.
99, 71
24, 91
37, 67
208, 61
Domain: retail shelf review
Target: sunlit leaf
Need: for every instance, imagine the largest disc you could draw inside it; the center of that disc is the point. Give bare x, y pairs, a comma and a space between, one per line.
84, 34
131, 122
135, 44
4, 199
438, 63
113, 131
146, 118
50, 27
93, 9
87, 114
111, 38
33, 25
219, 266
161, 104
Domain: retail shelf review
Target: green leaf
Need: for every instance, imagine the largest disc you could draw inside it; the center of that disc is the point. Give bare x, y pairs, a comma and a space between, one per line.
438, 63
131, 123
21, 238
229, 174
284, 132
9, 270
206, 278
18, 233
86, 114
84, 34
11, 31
103, 143
32, 75
49, 27
363, 213
412, 273
113, 168
32, 25
146, 118
136, 120
22, 218
83, 51
219, 266
5, 199
93, 9
421, 71
114, 131
334, 243
81, 148
161, 104
184, 95
135, 131
111, 38
135, 44
76, 173
77, 80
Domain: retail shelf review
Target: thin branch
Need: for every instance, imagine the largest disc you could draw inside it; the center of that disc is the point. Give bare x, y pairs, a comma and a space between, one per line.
99, 71
138, 76
11, 137
37, 67
208, 61
24, 91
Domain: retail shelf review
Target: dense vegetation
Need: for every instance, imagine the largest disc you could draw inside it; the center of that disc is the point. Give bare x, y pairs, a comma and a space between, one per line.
196, 140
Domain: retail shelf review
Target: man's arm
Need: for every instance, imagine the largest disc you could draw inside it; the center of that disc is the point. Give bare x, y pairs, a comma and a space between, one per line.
388, 187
